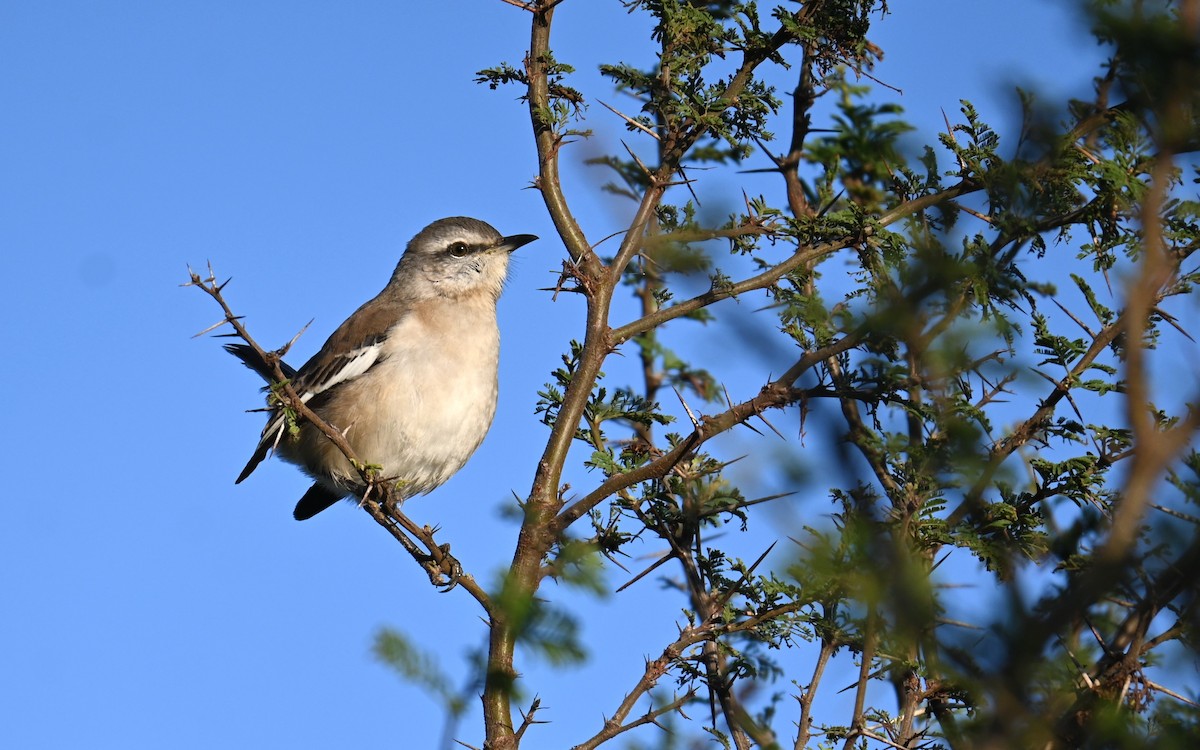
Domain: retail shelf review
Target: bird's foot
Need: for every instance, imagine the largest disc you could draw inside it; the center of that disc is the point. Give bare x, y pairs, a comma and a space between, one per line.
444, 569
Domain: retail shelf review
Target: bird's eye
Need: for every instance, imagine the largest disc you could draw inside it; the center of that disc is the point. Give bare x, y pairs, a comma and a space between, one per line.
459, 249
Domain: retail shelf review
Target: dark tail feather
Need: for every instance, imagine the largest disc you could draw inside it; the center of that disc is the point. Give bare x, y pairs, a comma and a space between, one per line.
260, 453
318, 498
251, 359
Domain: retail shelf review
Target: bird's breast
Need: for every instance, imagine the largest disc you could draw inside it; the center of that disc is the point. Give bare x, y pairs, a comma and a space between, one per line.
425, 406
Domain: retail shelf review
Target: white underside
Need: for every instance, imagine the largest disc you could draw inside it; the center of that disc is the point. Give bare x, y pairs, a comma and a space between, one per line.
421, 410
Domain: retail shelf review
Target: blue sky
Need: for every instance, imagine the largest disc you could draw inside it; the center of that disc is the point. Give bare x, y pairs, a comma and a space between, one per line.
147, 601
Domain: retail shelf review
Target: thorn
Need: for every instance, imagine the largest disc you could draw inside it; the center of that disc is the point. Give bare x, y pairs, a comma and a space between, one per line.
210, 328
968, 210
767, 499
752, 428
631, 121
643, 167
768, 424
950, 131
938, 564
683, 176
1172, 320
831, 203
644, 573
1049, 379
771, 170
286, 347
745, 577
615, 561
688, 409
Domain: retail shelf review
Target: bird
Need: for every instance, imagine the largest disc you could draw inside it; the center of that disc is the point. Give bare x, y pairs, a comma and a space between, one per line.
410, 378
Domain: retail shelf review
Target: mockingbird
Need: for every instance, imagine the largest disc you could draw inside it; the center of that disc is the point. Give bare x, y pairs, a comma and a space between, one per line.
409, 378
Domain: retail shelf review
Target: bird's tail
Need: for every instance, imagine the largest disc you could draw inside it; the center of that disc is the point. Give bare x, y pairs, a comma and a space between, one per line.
251, 358
318, 498
260, 453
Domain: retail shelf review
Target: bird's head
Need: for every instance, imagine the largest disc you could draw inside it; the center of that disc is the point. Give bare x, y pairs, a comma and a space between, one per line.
457, 257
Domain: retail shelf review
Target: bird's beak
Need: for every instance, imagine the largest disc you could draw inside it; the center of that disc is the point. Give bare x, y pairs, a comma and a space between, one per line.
512, 242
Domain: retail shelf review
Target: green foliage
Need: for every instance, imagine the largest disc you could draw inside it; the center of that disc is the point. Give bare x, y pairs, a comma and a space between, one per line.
977, 328
861, 156
565, 103
546, 630
421, 668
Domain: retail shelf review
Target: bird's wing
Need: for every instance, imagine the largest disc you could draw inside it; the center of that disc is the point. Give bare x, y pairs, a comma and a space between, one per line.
353, 349
330, 368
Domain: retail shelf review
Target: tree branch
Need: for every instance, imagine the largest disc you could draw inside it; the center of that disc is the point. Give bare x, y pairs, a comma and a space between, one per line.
802, 256
777, 394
